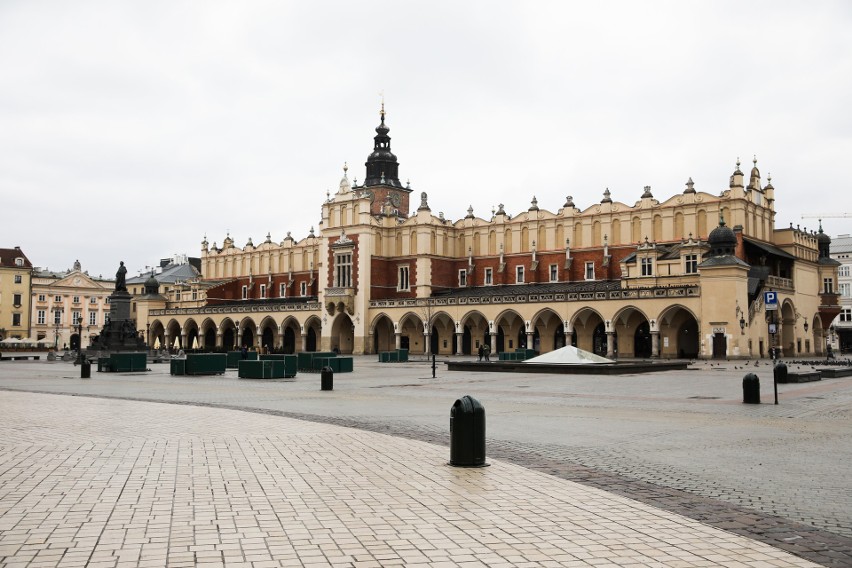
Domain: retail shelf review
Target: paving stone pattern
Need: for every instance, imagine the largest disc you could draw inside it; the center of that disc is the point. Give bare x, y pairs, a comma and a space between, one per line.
683, 442
100, 482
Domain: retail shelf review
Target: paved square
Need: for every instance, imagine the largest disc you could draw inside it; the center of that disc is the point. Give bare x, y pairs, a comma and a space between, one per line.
121, 483
680, 443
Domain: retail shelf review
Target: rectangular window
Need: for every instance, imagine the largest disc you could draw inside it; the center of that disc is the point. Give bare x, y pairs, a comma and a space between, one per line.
519, 274
846, 315
402, 282
42, 317
93, 318
828, 285
57, 299
177, 295
76, 317
843, 271
93, 301
647, 266
107, 300
16, 319
245, 292
342, 270
489, 276
195, 294
18, 279
16, 299
303, 288
263, 290
282, 291
41, 298
590, 271
554, 272
691, 264
844, 289
76, 299
57, 317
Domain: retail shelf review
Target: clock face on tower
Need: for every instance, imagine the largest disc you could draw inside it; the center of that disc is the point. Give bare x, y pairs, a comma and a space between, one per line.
394, 199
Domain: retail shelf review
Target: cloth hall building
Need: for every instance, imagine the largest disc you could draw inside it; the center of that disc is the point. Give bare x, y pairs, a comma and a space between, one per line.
682, 277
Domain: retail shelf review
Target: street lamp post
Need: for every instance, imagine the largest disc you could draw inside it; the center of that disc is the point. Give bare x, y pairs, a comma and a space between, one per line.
57, 314
80, 357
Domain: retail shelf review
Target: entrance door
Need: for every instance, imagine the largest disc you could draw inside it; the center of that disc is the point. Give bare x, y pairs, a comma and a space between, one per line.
720, 346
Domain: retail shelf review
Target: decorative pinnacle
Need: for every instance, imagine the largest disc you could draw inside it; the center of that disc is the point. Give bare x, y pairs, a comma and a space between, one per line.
754, 161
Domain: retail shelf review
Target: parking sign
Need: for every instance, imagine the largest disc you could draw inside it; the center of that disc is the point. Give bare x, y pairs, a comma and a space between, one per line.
771, 300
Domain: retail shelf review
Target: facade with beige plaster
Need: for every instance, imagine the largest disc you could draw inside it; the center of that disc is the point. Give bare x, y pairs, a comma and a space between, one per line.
622, 279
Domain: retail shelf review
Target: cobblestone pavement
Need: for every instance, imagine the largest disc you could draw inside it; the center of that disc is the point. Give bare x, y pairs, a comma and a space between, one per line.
681, 441
96, 482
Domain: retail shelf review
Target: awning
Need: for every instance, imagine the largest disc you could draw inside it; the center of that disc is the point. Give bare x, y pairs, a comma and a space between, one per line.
770, 249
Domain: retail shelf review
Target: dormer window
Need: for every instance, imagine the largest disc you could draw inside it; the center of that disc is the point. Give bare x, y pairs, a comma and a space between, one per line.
19, 261
647, 266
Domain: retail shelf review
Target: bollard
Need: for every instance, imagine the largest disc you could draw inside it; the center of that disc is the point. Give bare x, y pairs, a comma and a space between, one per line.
751, 389
779, 375
433, 365
85, 370
467, 433
326, 379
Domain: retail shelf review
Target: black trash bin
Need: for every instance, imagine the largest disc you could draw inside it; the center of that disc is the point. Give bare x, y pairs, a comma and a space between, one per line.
85, 370
467, 433
326, 379
751, 389
779, 372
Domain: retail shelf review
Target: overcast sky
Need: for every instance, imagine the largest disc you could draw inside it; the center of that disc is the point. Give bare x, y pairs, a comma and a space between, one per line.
129, 130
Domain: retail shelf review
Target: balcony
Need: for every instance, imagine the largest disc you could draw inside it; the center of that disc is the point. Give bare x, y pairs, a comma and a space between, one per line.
339, 299
779, 283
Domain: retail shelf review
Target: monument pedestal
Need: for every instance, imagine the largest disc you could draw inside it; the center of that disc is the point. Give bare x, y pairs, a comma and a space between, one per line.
119, 332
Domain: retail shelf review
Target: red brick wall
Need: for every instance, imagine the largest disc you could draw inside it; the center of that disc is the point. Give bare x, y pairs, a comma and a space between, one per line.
384, 278
233, 289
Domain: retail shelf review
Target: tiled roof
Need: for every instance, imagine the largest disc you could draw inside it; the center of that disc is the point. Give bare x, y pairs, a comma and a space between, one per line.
8, 256
169, 275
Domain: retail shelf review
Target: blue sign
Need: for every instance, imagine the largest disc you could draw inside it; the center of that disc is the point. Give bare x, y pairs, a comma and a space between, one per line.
771, 300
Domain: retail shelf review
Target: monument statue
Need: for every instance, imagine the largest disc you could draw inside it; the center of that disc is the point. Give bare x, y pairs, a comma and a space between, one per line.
120, 284
119, 331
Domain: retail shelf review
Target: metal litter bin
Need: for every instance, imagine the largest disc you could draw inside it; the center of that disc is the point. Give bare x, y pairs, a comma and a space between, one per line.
779, 372
751, 389
467, 433
326, 379
85, 370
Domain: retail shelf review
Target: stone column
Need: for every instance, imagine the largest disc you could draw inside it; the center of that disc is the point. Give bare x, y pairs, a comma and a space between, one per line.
459, 343
219, 339
304, 342
493, 344
655, 344
610, 344
427, 343
397, 337
530, 340
183, 336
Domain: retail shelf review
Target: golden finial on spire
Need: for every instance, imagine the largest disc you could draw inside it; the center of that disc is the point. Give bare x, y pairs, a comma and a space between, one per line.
382, 95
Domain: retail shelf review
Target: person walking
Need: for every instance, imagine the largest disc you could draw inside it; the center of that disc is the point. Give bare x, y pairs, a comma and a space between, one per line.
481, 352
487, 350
